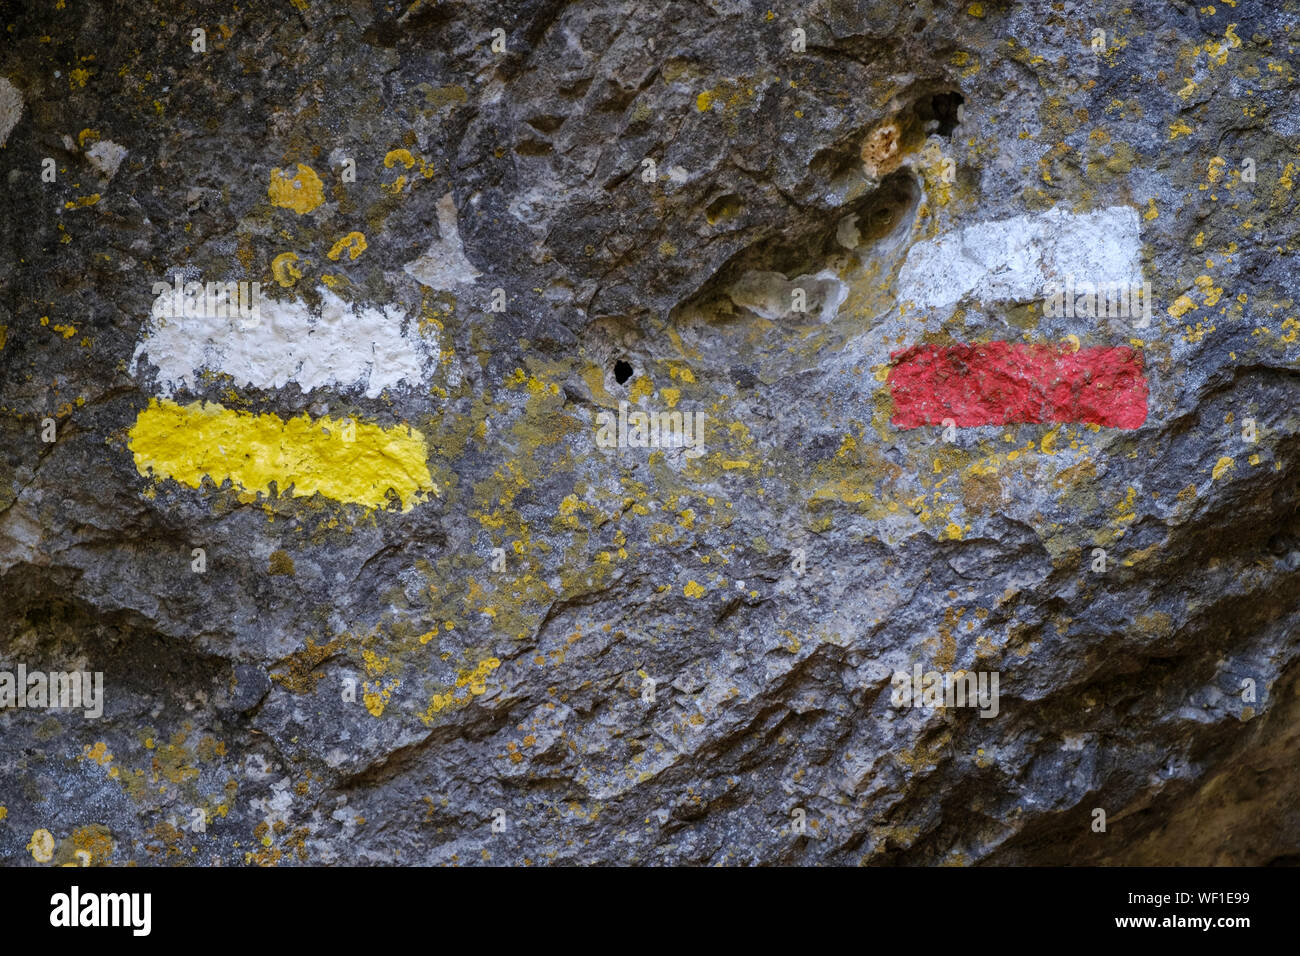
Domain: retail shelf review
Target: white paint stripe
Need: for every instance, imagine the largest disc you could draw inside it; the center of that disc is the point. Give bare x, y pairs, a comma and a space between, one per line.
1014, 260
343, 347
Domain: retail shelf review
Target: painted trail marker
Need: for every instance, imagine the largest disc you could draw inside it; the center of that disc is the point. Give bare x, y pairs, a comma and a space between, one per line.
1003, 383
1000, 383
340, 347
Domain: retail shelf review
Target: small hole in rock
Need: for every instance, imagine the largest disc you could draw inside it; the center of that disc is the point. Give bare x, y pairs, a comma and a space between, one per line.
622, 371
943, 109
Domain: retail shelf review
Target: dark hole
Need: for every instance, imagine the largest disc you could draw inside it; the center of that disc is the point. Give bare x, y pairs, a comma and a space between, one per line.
918, 26
943, 109
622, 371
1281, 544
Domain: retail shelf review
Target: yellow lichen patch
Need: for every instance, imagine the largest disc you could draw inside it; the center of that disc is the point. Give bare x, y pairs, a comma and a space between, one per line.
285, 269
938, 171
1126, 510
1181, 306
98, 753
82, 201
87, 846
376, 697
402, 156
704, 101
301, 192
693, 590
1220, 466
353, 242
1287, 179
350, 462
641, 388
375, 665
41, 846
1208, 289
469, 684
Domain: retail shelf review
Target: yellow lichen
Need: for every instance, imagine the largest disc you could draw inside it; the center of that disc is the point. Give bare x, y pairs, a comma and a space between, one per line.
41, 846
301, 192
469, 684
353, 242
1181, 306
285, 270
402, 156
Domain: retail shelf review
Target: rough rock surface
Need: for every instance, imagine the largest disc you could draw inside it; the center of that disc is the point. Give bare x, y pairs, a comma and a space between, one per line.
678, 655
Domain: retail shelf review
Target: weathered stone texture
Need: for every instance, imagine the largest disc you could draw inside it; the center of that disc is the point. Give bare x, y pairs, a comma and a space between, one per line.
525, 690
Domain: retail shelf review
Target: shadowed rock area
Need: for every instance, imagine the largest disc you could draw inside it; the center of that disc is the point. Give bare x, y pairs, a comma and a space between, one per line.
380, 564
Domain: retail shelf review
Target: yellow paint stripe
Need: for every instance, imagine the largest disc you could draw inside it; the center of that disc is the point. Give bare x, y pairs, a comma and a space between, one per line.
302, 456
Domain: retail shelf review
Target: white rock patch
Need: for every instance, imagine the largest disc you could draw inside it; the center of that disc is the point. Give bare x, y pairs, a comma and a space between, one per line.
1014, 260
11, 108
344, 347
106, 156
444, 266
771, 294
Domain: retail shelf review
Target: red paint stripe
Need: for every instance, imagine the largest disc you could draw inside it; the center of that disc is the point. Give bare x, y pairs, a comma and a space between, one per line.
998, 383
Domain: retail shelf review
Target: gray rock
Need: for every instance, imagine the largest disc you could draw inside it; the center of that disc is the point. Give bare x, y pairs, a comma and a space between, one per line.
322, 641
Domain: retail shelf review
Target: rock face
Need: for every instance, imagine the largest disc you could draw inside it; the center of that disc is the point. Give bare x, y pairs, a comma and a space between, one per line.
614, 420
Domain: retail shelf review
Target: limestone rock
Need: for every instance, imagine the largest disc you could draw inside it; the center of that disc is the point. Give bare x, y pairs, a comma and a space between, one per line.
393, 602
